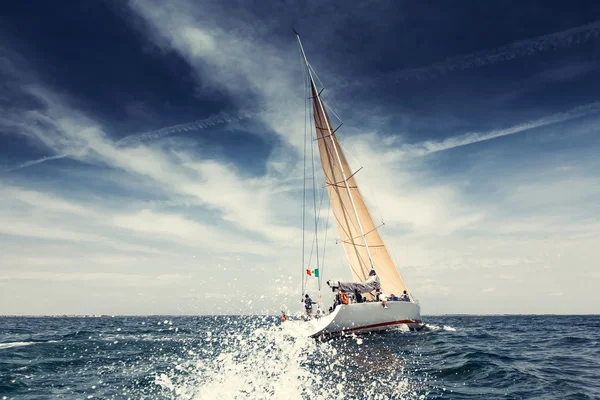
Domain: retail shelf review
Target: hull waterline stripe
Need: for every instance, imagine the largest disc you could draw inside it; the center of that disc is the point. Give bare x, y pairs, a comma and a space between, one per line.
404, 321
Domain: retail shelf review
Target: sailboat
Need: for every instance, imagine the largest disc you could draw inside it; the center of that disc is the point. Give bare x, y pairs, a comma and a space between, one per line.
366, 253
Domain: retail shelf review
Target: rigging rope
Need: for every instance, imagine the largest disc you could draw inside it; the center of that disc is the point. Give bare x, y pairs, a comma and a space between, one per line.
317, 211
314, 241
325, 240
314, 178
303, 277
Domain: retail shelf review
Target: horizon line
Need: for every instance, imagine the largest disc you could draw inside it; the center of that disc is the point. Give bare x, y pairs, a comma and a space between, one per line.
267, 315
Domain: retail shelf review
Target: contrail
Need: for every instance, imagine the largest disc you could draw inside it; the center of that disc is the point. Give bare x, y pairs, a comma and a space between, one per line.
511, 51
213, 120
424, 148
38, 161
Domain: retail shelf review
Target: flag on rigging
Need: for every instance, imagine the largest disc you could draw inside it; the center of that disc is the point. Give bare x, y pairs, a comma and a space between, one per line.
313, 272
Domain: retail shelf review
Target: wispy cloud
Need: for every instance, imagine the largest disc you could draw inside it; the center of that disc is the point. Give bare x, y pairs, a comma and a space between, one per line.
263, 76
100, 278
38, 215
243, 202
416, 149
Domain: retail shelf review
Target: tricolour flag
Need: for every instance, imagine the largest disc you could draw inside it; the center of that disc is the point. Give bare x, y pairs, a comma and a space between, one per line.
313, 272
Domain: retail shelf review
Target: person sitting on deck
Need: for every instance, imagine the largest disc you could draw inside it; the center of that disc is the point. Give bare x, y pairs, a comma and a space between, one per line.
371, 283
405, 296
381, 297
393, 297
359, 298
319, 312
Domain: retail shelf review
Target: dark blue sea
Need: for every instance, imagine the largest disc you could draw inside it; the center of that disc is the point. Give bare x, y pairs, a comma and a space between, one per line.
455, 357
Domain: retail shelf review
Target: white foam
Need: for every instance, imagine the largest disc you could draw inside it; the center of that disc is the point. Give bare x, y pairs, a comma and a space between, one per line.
15, 344
435, 328
449, 328
402, 328
279, 362
164, 381
267, 363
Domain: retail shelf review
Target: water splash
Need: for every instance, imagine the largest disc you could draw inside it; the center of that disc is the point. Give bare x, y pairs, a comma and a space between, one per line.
283, 362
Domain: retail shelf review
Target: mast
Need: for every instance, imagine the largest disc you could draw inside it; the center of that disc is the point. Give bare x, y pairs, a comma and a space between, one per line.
337, 154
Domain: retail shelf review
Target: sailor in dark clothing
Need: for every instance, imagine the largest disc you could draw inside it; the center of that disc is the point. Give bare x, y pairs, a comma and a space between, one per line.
308, 305
359, 298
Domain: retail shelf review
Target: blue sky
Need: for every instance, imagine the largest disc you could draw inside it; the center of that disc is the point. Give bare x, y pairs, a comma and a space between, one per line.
151, 152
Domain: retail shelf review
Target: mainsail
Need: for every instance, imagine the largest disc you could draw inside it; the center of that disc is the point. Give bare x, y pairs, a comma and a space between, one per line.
363, 245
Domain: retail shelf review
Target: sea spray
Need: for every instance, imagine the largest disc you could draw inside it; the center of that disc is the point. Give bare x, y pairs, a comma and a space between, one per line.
283, 362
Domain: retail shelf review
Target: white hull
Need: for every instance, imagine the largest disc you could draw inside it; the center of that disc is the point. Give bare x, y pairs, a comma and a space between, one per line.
367, 317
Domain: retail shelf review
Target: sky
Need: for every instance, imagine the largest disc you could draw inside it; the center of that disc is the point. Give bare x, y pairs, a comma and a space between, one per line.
151, 152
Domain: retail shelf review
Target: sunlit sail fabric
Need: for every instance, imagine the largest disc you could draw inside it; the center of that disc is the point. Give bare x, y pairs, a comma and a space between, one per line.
344, 213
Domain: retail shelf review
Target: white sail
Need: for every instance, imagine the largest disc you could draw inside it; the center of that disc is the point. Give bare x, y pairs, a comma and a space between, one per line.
363, 244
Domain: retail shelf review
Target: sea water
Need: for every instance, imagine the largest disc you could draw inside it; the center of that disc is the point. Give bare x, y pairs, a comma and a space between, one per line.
256, 357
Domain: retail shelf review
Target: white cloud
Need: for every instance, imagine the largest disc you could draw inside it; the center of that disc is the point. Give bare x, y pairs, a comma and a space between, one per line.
235, 58
100, 278
242, 201
182, 230
37, 199
433, 208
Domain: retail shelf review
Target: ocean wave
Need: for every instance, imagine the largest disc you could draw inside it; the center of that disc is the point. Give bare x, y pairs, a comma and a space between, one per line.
15, 344
11, 345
